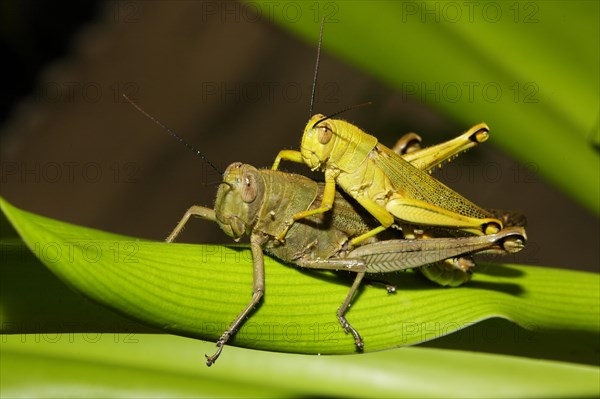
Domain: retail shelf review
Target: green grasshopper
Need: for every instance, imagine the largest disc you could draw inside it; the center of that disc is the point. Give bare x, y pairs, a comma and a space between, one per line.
258, 203
390, 187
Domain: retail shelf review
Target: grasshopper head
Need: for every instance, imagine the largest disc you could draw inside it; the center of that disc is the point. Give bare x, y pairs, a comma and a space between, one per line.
317, 141
239, 198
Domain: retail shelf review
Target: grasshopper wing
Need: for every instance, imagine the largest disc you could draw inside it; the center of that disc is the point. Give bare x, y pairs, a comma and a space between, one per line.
412, 183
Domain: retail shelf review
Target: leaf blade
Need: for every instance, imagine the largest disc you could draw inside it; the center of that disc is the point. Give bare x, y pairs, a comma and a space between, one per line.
163, 365
183, 289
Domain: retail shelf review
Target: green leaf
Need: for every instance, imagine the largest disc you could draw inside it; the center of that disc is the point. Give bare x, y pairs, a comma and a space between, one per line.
531, 70
119, 365
196, 291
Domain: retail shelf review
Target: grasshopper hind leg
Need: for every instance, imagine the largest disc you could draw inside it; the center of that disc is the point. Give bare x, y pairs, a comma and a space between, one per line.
408, 143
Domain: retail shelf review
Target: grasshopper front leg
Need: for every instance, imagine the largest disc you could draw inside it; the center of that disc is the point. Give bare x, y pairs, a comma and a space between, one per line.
326, 204
328, 193
258, 290
199, 211
288, 155
258, 286
380, 213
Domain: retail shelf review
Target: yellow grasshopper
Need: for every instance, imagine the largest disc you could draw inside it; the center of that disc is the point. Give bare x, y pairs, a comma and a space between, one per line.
388, 186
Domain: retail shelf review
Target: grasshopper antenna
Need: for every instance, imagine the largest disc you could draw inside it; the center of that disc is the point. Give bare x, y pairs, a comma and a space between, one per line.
341, 112
314, 86
172, 133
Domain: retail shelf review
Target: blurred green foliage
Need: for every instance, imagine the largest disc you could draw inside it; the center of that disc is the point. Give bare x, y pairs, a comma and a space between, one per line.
530, 70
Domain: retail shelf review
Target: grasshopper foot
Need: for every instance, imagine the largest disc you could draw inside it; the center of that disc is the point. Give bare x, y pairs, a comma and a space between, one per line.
358, 341
281, 236
210, 360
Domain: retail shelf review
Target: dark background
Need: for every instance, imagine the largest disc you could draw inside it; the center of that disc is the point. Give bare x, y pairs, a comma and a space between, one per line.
71, 148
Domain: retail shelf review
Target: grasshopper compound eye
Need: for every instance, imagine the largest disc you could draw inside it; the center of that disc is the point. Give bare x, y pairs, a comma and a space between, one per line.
249, 188
324, 133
